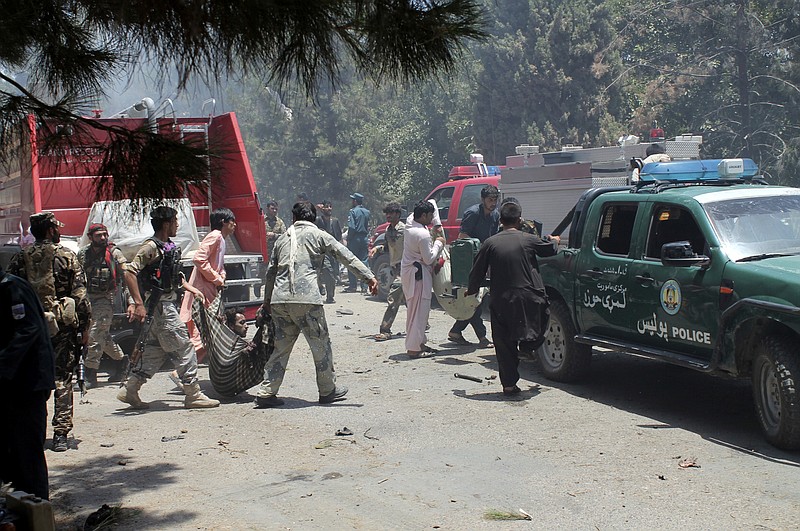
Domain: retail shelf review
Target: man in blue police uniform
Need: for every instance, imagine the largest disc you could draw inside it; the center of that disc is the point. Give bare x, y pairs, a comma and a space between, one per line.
357, 236
27, 376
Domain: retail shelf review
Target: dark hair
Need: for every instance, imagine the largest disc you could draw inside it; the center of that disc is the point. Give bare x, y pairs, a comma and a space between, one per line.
510, 200
489, 191
393, 207
510, 213
230, 316
304, 211
326, 203
272, 202
220, 216
39, 230
302, 197
654, 149
161, 215
422, 208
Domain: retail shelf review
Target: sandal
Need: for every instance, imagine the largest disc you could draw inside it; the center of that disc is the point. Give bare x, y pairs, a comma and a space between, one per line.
485, 343
426, 348
511, 391
458, 339
417, 354
383, 336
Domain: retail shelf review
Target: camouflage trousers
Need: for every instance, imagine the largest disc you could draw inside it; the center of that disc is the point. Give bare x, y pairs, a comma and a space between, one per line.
173, 342
64, 344
100, 339
291, 320
395, 299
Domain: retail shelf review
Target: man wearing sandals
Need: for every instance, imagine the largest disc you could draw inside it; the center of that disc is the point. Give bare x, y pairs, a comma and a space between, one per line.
519, 303
420, 252
394, 243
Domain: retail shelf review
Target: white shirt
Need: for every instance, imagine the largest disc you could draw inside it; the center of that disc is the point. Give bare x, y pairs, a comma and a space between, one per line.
418, 246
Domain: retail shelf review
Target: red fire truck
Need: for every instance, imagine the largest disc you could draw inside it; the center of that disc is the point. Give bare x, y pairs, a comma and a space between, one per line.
63, 180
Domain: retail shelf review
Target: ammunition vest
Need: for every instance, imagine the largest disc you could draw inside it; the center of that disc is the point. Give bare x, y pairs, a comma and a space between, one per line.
40, 263
164, 273
100, 269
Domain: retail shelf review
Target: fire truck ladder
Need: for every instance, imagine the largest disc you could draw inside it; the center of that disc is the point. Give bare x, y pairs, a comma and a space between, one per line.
197, 135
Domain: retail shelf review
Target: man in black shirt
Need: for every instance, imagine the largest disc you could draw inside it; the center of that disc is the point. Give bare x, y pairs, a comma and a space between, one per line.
519, 302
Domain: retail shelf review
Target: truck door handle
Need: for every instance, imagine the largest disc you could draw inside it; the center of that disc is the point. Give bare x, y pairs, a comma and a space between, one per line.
594, 273
644, 279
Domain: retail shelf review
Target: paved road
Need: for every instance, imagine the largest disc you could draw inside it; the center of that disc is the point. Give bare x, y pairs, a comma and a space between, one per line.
432, 451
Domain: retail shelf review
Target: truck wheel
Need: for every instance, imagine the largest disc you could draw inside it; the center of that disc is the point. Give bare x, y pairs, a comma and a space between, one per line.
562, 359
776, 374
383, 272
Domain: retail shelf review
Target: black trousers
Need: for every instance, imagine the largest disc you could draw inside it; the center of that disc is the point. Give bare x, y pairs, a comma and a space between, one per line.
476, 321
507, 352
23, 418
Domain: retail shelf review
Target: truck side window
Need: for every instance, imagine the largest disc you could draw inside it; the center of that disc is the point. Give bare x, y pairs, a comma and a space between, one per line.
673, 224
616, 228
443, 198
470, 196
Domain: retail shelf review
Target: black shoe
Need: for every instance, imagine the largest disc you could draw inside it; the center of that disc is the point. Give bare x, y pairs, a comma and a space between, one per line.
119, 372
335, 396
89, 378
329, 301
60, 443
511, 391
265, 403
350, 290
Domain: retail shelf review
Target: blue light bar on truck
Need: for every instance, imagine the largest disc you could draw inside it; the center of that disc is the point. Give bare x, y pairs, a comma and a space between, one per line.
697, 170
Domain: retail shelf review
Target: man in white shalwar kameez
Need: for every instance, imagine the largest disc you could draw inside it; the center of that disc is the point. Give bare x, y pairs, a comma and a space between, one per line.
420, 252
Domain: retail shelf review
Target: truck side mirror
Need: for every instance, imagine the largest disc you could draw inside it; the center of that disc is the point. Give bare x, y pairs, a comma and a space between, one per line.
681, 254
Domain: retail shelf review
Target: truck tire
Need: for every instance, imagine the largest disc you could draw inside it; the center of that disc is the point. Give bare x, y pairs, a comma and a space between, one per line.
382, 270
776, 379
561, 358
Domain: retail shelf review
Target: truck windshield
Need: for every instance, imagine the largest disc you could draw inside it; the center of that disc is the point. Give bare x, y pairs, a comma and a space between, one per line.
752, 228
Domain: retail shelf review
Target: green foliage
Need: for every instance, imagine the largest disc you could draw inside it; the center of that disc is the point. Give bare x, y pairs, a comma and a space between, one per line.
71, 50
724, 70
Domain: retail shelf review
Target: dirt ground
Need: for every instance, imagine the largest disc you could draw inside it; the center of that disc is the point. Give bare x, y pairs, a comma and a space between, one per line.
431, 451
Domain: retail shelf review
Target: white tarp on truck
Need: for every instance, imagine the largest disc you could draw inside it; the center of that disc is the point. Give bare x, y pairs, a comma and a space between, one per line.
128, 229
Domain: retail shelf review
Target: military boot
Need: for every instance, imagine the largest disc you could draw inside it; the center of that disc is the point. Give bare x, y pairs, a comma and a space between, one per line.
130, 393
195, 397
120, 369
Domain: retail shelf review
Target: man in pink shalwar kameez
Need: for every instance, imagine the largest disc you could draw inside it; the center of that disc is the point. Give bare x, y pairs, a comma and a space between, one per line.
208, 274
420, 252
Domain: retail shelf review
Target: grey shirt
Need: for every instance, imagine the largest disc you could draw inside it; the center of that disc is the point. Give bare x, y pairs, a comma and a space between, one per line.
294, 267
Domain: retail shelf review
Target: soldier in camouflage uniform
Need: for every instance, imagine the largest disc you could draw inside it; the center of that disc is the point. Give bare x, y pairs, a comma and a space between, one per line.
156, 266
57, 277
273, 225
292, 298
394, 244
104, 265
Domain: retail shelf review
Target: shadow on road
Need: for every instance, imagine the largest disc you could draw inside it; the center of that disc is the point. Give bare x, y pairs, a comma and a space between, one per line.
113, 482
718, 409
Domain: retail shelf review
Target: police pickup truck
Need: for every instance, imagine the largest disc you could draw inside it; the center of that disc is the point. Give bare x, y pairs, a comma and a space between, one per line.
697, 265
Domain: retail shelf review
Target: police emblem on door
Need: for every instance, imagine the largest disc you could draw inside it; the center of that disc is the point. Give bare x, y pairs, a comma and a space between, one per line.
671, 297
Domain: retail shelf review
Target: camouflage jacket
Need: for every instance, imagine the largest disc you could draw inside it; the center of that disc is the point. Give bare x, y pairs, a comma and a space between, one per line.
54, 272
526, 226
105, 270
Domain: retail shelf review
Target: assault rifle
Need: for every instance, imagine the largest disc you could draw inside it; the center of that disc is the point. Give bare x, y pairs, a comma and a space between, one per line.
82, 370
144, 331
